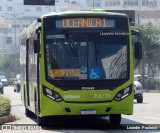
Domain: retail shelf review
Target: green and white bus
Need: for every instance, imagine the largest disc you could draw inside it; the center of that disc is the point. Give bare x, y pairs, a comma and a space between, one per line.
78, 63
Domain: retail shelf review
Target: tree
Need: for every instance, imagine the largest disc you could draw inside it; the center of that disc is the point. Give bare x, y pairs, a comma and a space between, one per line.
150, 38
10, 64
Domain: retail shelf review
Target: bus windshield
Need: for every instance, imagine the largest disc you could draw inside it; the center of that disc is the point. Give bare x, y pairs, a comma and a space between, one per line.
86, 55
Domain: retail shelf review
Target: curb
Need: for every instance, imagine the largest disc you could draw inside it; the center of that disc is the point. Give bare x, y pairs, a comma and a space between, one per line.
151, 91
6, 119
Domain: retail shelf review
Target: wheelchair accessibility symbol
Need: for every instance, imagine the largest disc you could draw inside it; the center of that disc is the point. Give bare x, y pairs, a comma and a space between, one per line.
94, 73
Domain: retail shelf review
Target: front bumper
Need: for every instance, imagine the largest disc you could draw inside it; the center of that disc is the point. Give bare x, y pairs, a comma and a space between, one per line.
51, 108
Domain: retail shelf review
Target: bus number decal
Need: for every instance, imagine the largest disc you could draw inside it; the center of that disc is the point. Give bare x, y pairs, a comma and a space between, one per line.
100, 95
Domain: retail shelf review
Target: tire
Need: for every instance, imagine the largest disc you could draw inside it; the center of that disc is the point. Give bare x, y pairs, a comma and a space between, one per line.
41, 121
140, 100
115, 119
2, 91
18, 87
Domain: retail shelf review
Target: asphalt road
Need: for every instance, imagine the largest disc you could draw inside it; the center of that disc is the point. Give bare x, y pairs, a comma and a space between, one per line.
145, 114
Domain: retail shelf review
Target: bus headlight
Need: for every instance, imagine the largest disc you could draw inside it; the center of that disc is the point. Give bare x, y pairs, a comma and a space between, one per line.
123, 94
52, 94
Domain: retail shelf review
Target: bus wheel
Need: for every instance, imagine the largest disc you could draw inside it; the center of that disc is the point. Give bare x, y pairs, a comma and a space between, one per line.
28, 113
115, 119
41, 121
140, 99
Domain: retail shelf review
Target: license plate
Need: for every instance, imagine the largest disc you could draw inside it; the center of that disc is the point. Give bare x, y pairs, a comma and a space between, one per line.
88, 112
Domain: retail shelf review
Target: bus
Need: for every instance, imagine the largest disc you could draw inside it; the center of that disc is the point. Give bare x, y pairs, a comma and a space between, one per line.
78, 63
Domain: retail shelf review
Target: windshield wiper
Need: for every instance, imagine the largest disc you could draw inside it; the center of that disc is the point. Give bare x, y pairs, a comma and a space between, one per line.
70, 44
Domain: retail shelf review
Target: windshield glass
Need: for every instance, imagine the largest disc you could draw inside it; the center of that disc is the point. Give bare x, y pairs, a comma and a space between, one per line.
86, 55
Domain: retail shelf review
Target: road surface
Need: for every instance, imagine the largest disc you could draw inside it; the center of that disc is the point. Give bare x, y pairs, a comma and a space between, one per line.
145, 114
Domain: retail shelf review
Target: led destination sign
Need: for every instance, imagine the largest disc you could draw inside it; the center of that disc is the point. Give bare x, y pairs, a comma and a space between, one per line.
85, 23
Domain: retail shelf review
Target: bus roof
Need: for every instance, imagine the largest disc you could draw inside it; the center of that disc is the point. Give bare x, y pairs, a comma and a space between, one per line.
94, 11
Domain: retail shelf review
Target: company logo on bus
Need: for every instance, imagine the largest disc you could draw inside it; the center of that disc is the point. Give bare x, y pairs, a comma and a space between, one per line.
87, 88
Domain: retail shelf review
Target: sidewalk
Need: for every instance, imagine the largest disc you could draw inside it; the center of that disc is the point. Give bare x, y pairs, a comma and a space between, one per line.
5, 119
22, 121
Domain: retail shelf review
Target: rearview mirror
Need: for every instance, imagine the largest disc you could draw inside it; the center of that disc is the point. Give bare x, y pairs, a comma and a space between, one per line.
138, 50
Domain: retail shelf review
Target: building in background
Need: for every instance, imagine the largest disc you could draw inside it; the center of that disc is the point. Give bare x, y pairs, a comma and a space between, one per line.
15, 17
